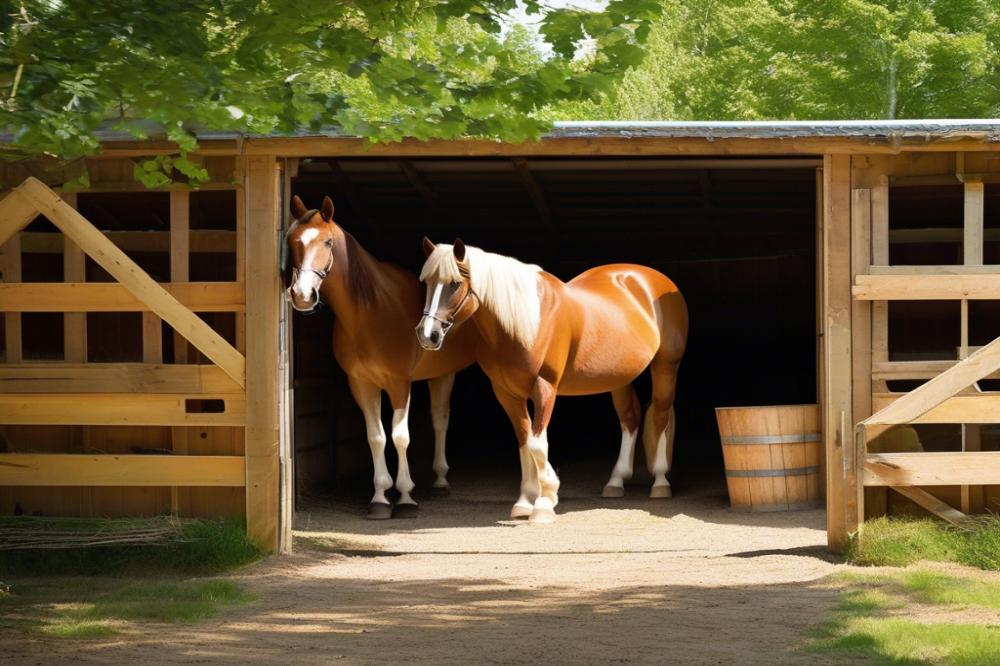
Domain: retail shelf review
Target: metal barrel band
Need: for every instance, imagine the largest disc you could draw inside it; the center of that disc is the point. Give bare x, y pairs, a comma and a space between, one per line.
795, 471
771, 439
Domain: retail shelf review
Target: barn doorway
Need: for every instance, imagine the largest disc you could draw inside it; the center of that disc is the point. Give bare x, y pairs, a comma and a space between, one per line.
738, 236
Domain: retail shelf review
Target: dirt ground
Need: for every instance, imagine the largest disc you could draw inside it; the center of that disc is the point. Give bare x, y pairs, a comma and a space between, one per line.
685, 580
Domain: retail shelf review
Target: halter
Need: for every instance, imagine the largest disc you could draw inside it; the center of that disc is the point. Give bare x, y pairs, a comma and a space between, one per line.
447, 323
284, 252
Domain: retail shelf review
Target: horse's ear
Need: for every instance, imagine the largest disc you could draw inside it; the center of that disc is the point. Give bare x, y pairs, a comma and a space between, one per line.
327, 210
459, 248
298, 208
428, 246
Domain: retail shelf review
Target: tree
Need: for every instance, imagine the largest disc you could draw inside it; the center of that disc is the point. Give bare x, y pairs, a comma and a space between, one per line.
806, 59
382, 69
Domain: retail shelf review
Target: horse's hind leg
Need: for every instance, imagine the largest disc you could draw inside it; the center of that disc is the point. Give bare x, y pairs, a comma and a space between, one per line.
440, 388
629, 414
658, 429
399, 396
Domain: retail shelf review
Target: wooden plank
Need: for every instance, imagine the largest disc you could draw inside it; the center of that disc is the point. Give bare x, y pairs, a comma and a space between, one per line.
937, 235
114, 378
114, 297
861, 342
241, 248
933, 504
66, 469
927, 468
837, 347
926, 287
115, 409
128, 273
180, 207
201, 241
263, 284
971, 408
973, 224
16, 211
820, 320
915, 370
935, 270
74, 270
11, 267
880, 309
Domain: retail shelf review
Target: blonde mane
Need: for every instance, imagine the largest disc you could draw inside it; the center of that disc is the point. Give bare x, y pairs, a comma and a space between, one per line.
507, 287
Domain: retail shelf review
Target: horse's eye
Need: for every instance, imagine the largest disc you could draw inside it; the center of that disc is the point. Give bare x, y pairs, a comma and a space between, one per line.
328, 242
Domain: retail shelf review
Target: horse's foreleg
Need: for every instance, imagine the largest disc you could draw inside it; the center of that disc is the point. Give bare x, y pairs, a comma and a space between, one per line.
629, 414
517, 410
440, 389
543, 399
400, 399
369, 399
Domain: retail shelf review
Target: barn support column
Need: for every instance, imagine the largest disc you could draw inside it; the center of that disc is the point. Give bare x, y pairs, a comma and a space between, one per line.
263, 302
838, 426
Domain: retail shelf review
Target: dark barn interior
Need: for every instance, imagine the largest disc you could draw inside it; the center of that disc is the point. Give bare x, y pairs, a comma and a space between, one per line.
738, 237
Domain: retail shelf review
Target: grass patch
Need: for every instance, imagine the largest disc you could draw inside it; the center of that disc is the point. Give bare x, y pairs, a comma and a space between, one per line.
899, 542
869, 622
94, 608
205, 547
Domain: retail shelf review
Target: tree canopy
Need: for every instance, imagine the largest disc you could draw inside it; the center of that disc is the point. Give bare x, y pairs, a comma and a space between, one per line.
382, 69
806, 59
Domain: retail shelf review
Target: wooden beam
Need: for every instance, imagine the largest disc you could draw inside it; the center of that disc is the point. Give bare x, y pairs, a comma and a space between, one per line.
890, 370
973, 224
937, 235
926, 287
216, 241
933, 504
880, 256
861, 346
837, 359
10, 265
935, 270
114, 297
114, 378
967, 408
180, 243
64, 469
16, 211
116, 409
928, 396
927, 468
137, 281
263, 284
74, 270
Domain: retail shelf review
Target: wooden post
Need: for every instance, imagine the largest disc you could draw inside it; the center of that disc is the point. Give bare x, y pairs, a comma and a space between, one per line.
180, 243
10, 256
841, 512
861, 338
972, 497
263, 291
820, 322
74, 270
877, 499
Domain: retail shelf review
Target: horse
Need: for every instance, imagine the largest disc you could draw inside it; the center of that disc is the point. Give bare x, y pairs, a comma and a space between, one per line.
375, 304
541, 337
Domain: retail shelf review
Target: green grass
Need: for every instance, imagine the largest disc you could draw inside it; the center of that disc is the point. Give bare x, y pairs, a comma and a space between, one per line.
900, 542
94, 608
208, 547
870, 620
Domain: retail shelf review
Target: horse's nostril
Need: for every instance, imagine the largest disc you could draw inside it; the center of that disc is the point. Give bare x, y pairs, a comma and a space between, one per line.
435, 337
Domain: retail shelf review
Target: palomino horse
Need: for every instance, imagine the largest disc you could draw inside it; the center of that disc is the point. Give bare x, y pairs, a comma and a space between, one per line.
375, 305
541, 337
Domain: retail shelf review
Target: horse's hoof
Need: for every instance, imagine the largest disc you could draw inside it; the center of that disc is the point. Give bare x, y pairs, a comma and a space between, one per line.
379, 511
614, 492
440, 491
542, 516
660, 492
406, 510
521, 511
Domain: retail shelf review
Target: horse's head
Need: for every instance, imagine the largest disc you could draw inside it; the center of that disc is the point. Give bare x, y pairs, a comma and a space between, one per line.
309, 245
450, 299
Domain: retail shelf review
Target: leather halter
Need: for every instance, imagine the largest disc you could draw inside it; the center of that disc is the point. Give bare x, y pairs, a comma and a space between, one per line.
448, 322
296, 271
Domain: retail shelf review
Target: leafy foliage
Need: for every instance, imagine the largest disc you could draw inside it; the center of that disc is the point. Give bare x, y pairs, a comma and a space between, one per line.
802, 59
382, 69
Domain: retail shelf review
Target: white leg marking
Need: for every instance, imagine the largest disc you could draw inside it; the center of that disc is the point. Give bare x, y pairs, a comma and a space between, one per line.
376, 440
440, 412
548, 482
401, 438
529, 486
622, 470
660, 467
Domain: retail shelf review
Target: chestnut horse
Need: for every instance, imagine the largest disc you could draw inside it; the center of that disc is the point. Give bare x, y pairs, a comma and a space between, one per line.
541, 337
375, 304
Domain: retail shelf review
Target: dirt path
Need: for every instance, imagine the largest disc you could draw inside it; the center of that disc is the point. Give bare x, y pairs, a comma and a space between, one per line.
628, 581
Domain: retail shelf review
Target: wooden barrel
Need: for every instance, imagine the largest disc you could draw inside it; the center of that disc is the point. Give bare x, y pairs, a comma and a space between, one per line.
772, 456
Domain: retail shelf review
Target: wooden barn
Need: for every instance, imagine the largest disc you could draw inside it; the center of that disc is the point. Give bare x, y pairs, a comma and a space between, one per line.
152, 366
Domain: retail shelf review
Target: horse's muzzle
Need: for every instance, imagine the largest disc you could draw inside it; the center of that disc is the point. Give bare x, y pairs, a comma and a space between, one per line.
430, 337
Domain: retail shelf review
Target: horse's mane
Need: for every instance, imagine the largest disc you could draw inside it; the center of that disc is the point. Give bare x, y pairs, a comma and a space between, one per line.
505, 286
362, 280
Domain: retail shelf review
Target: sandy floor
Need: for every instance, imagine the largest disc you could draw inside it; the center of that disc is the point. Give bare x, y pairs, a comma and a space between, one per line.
685, 580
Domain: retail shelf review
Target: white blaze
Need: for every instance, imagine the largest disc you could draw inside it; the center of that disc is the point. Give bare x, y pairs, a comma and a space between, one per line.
435, 301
